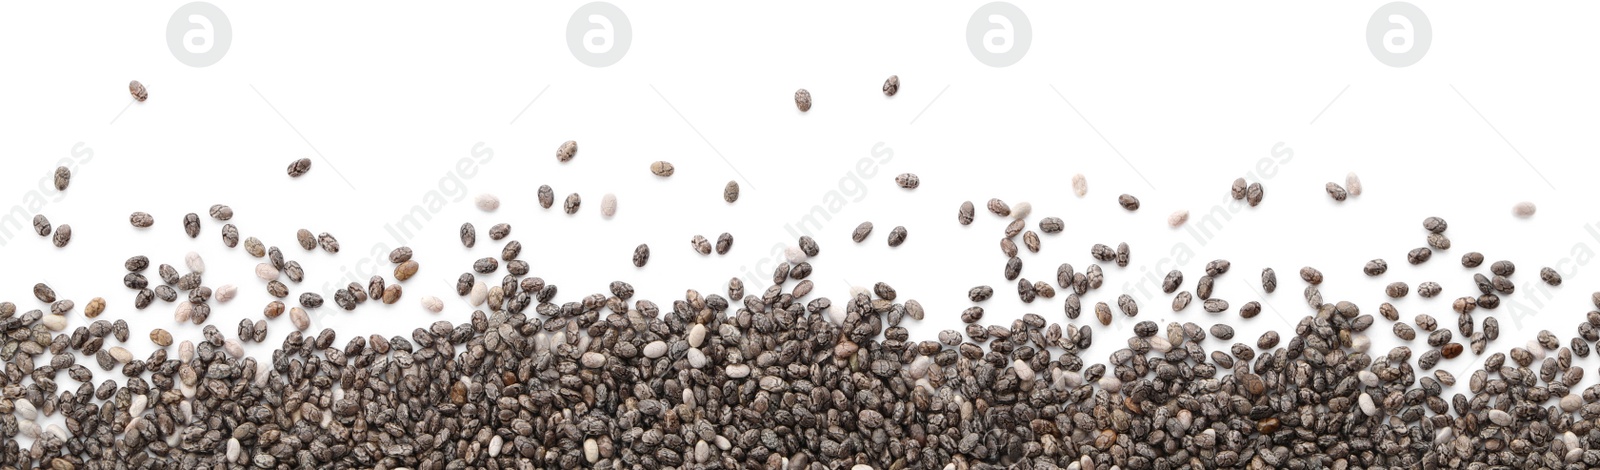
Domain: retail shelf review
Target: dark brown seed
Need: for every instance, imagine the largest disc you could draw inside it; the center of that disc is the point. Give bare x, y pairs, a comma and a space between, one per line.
1388, 311
1434, 224
299, 167
566, 151
1254, 193
802, 100
1238, 189
306, 239
999, 207
1215, 305
1051, 225
1438, 241
730, 192
700, 245
1336, 192
1311, 275
1128, 202
191, 224
511, 250
1181, 301
1376, 267
1121, 255
1549, 276
230, 235
141, 220
1015, 227
1397, 290
221, 212
1503, 268
809, 246
1472, 260
63, 177
136, 263
400, 255
44, 293
964, 214
499, 231
1127, 305
1250, 309
469, 235
1450, 351
1428, 289
892, 85
1269, 280
570, 206
1173, 280
1102, 312
547, 196
161, 337
310, 300
908, 180
1031, 240
62, 236
1419, 255
328, 243
1268, 340
641, 255
1013, 268
1203, 287
138, 91
41, 225
861, 232
1404, 332
897, 236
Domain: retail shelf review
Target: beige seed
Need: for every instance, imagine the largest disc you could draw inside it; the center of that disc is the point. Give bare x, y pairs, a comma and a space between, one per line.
1080, 185
478, 294
608, 205
1178, 218
184, 312
487, 202
185, 351
161, 337
433, 304
225, 293
1021, 210
298, 316
266, 272
193, 261
233, 450
120, 354
233, 347
1523, 209
54, 322
662, 169
1352, 184
25, 409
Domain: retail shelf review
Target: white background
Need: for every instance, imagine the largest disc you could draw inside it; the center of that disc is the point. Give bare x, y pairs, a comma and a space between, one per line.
386, 101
